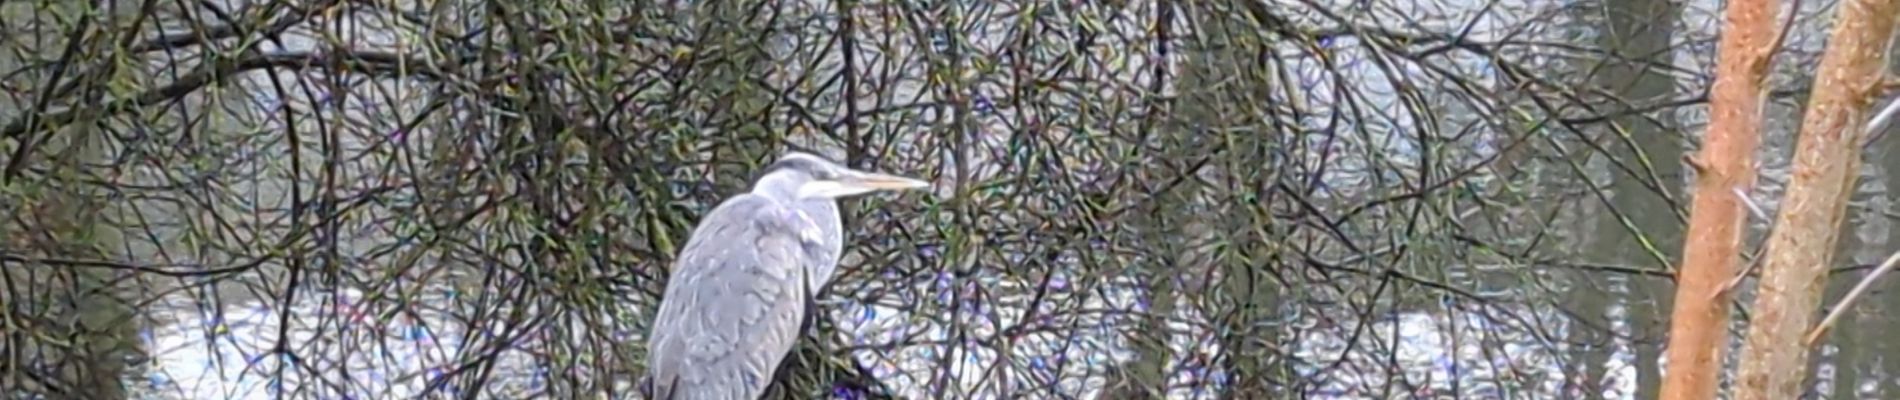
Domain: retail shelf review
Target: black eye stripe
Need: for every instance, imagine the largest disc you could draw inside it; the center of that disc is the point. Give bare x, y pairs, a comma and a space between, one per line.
791, 164
805, 163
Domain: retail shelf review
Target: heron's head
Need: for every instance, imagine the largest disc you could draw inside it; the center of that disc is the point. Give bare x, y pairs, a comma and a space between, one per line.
807, 176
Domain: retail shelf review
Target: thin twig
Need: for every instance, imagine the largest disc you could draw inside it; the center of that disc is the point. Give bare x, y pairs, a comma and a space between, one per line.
1877, 126
1754, 258
1841, 308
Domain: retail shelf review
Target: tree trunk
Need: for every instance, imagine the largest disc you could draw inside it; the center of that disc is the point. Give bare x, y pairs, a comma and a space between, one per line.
1637, 30
1826, 164
1234, 286
1724, 166
739, 33
77, 327
1146, 377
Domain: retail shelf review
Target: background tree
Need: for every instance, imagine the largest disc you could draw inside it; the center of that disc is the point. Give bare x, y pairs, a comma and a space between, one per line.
1827, 164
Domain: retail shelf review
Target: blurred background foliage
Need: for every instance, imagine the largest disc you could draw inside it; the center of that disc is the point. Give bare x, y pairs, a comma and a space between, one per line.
1182, 199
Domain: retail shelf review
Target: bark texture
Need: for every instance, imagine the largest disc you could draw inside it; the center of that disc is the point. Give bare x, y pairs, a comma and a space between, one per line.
1826, 163
1724, 166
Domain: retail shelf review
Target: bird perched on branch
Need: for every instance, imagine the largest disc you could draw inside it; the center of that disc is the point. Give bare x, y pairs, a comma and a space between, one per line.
737, 298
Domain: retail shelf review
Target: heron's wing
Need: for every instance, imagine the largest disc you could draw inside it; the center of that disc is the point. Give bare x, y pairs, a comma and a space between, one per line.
734, 303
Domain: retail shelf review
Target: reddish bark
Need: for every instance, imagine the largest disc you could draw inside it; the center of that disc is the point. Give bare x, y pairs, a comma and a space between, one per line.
1826, 164
1724, 166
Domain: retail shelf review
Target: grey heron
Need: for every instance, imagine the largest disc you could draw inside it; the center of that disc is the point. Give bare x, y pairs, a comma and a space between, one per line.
736, 299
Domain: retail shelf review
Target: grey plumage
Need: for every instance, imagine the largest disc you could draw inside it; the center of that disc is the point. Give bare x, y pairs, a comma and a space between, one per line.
736, 299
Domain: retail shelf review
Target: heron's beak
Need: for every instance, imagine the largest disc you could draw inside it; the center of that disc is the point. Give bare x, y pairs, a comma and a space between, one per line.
877, 181
856, 183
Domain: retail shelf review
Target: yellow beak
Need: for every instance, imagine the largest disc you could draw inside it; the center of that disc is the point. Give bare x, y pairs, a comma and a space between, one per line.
879, 181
